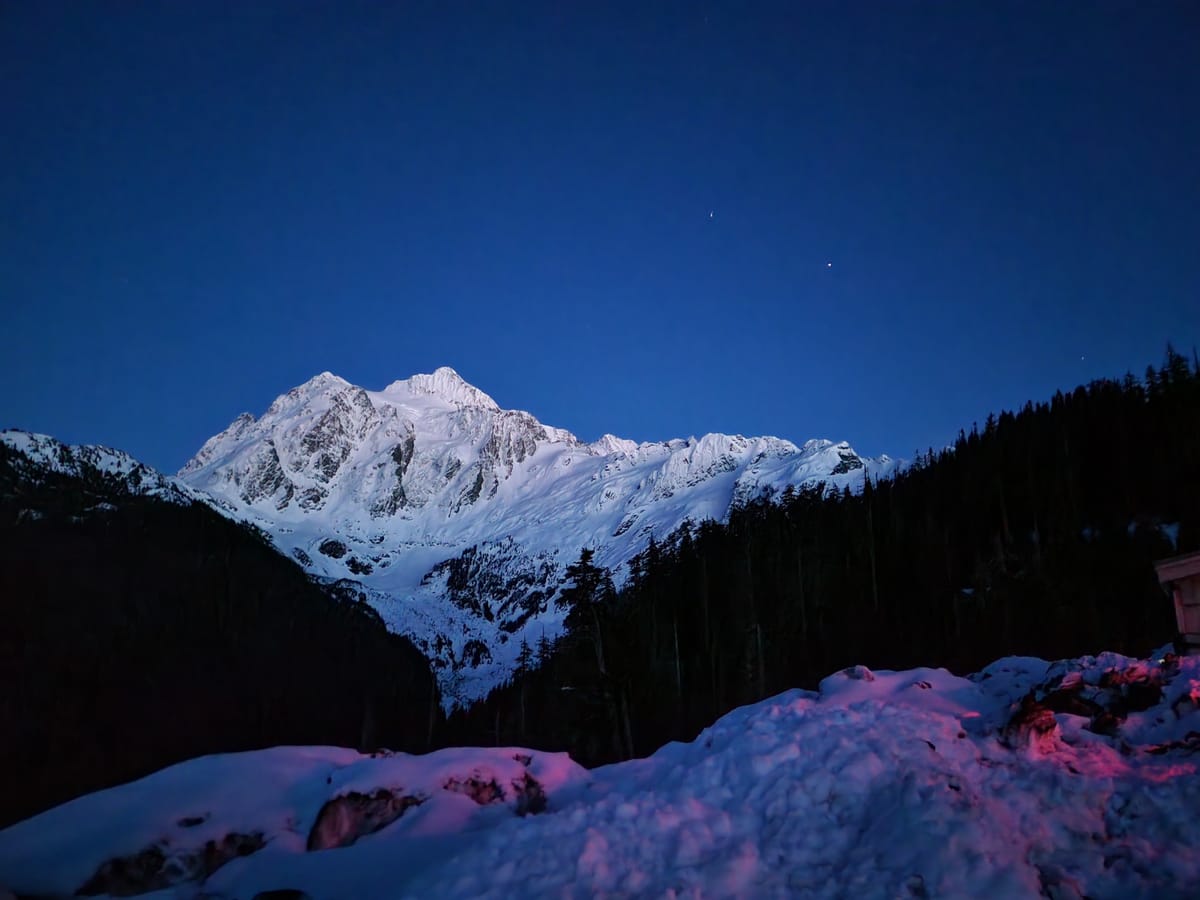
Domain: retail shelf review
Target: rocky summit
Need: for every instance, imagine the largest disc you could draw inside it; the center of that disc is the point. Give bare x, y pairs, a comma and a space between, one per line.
457, 518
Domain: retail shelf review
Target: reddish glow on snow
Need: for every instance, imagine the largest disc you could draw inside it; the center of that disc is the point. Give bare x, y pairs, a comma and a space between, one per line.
949, 786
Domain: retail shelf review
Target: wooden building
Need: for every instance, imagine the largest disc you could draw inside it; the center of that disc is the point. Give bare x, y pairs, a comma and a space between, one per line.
1181, 576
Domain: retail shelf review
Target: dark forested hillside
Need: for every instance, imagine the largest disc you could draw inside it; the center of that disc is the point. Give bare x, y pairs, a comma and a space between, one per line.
1035, 534
135, 633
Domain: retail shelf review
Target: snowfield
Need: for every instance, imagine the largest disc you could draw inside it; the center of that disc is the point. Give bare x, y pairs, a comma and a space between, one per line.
1063, 780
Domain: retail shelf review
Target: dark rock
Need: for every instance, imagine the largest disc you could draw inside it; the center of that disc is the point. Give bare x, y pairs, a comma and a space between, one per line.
153, 869
402, 457
1105, 723
334, 549
266, 478
358, 567
343, 820
477, 788
475, 653
848, 462
1190, 744
531, 796
126, 876
311, 498
1031, 725
498, 581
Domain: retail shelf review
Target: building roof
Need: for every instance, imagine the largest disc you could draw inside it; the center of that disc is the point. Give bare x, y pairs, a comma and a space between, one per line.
1178, 567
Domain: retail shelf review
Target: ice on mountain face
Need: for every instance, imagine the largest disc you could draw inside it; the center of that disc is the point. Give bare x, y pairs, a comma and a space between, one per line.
415, 479
881, 784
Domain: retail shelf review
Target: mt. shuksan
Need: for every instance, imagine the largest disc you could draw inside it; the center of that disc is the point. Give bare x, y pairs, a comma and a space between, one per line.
458, 517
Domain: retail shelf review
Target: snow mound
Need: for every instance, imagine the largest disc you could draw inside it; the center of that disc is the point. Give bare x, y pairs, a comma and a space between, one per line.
880, 784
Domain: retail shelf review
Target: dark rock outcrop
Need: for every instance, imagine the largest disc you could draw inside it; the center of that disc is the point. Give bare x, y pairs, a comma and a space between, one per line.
343, 820
157, 867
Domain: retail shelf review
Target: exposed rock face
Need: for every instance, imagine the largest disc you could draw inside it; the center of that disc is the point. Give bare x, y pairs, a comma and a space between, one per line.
334, 549
160, 866
1032, 727
485, 789
343, 820
480, 789
266, 480
459, 517
848, 461
497, 581
1105, 696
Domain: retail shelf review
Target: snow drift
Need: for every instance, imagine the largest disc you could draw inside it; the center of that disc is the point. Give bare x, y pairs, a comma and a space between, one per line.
1072, 779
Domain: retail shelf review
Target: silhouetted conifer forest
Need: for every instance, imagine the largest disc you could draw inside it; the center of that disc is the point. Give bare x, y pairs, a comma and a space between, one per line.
135, 633
1034, 534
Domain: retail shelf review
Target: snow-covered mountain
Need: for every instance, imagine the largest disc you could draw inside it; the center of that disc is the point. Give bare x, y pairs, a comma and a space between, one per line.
105, 471
459, 517
1065, 780
115, 470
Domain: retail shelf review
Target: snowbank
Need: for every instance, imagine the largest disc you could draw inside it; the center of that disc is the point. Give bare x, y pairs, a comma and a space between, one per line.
1065, 780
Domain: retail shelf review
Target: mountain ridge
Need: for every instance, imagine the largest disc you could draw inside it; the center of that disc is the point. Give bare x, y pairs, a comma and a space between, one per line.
433, 496
454, 517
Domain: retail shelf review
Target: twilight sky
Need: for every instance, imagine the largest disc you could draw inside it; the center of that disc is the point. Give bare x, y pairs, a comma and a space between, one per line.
871, 222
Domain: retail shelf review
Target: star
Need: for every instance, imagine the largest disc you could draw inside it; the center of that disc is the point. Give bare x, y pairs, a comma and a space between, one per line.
829, 265
710, 213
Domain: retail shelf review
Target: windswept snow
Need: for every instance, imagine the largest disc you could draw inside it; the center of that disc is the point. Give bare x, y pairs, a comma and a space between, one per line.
880, 784
384, 486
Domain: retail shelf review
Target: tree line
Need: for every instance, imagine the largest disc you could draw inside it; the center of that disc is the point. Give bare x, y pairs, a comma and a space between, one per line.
136, 633
1034, 534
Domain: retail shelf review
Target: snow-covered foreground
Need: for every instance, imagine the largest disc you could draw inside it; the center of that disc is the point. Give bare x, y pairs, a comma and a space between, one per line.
905, 784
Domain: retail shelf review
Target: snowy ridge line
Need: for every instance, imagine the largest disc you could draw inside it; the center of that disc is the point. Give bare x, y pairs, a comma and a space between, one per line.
401, 488
1071, 779
49, 454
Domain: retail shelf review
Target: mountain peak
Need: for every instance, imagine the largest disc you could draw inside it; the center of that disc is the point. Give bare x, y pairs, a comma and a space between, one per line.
446, 384
459, 517
325, 379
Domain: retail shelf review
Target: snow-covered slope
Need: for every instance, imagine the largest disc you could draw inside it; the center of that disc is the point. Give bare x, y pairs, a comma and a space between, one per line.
114, 470
458, 517
1077, 779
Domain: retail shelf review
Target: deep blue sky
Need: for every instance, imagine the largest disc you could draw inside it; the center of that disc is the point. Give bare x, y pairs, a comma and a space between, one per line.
202, 205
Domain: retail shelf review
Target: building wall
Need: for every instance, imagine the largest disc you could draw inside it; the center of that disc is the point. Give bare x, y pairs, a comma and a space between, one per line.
1187, 607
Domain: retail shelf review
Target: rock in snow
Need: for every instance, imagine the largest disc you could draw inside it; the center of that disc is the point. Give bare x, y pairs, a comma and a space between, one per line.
881, 784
